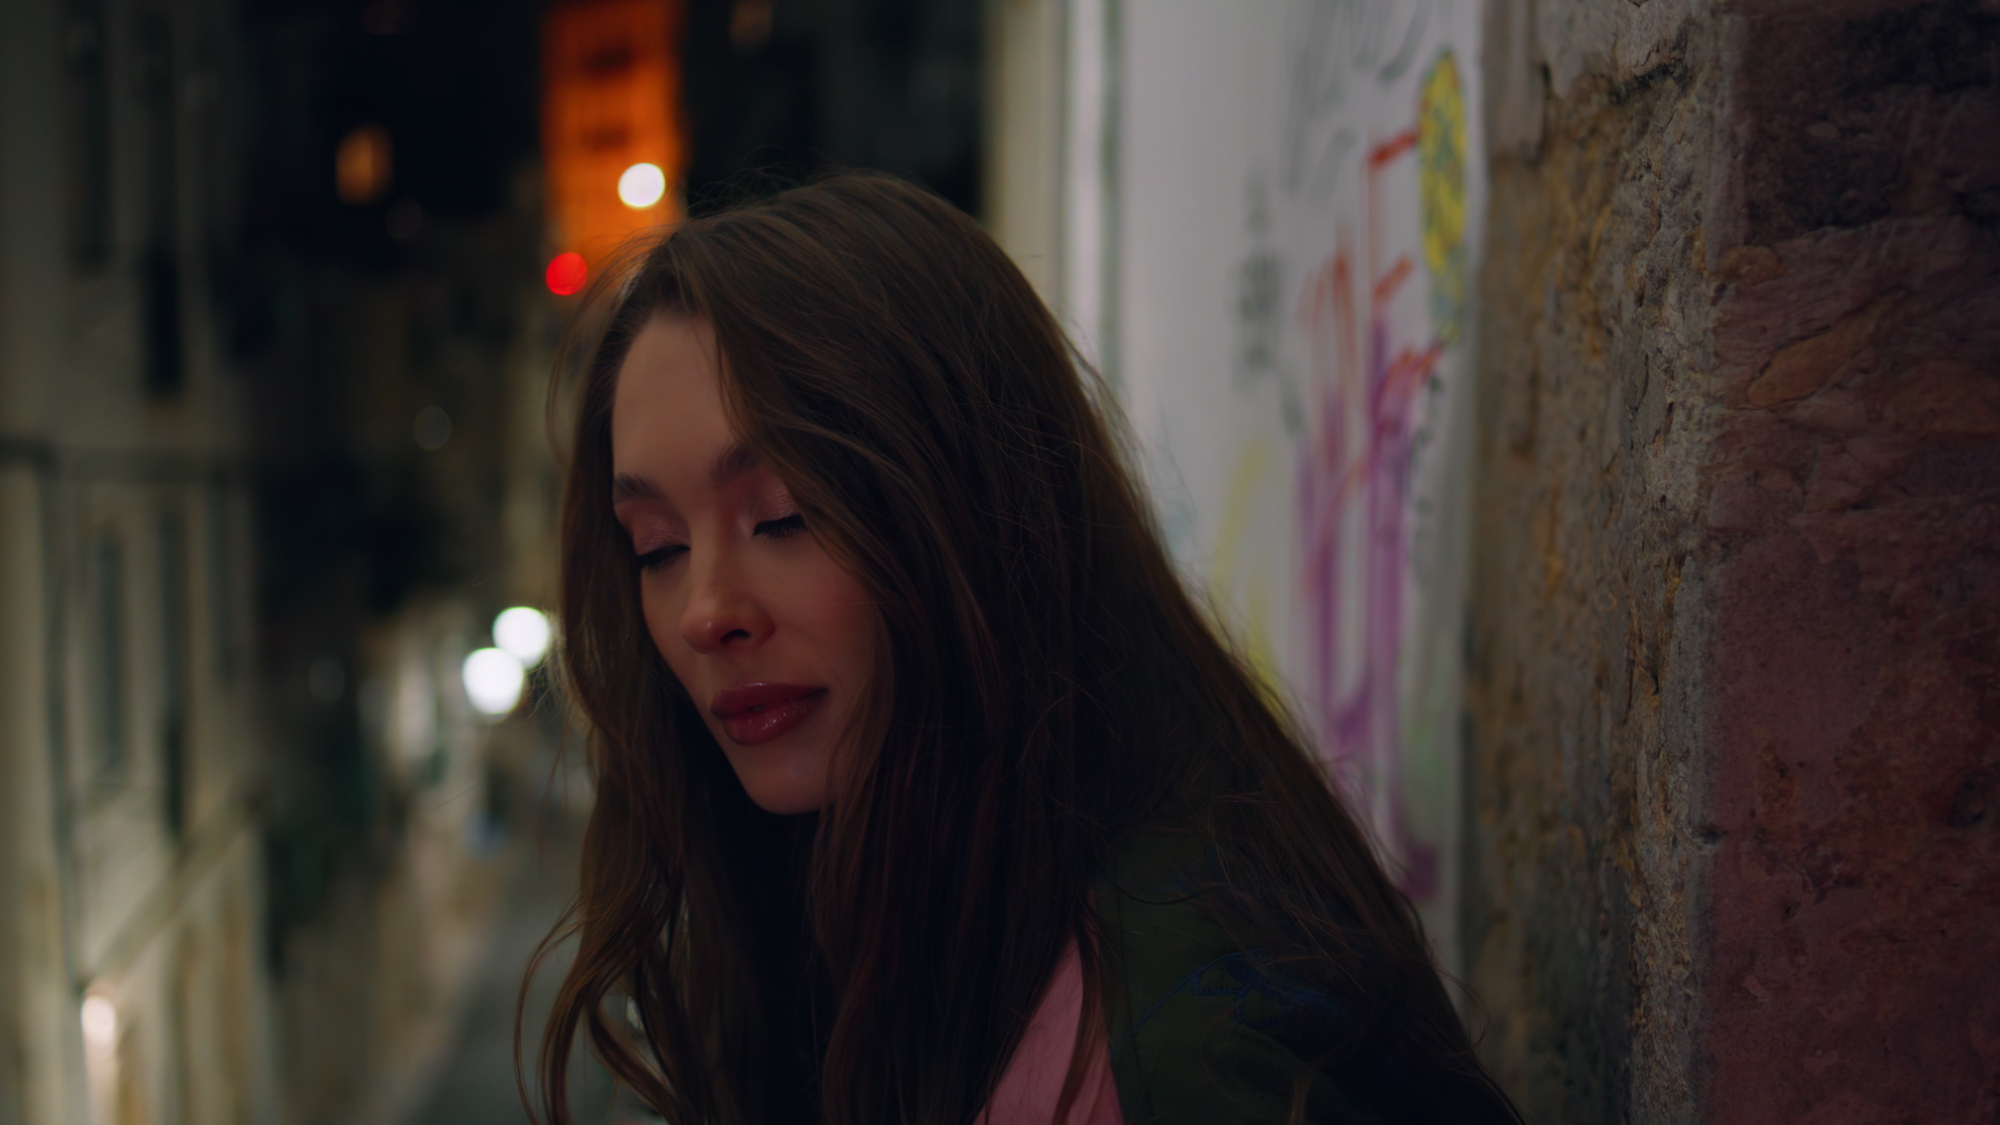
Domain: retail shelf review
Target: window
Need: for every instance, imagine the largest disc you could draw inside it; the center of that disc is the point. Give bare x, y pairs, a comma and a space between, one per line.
87, 70
107, 654
160, 271
174, 764
221, 582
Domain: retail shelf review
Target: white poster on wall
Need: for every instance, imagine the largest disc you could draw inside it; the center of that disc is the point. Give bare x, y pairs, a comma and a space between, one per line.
1283, 217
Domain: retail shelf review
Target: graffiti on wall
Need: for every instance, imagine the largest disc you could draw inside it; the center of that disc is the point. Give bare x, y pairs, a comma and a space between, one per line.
1350, 314
1373, 385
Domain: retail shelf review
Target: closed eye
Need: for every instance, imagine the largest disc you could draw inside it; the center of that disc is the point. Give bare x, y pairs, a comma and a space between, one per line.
654, 560
782, 528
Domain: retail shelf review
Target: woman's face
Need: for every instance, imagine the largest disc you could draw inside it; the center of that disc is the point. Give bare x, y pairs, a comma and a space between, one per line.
769, 635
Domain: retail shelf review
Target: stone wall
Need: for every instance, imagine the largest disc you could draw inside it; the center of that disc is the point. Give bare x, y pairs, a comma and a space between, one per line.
1585, 650
1734, 690
1854, 525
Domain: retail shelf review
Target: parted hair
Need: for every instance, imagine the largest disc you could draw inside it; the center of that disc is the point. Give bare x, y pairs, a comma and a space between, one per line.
1045, 686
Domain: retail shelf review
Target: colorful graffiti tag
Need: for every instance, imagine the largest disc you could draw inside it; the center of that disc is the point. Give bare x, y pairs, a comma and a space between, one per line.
1368, 379
1300, 377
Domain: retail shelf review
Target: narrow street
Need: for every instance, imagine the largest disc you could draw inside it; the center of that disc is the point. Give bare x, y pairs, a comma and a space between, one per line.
476, 1086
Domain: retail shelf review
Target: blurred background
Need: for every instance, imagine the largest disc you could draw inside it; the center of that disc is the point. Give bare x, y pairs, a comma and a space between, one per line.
1607, 480
284, 807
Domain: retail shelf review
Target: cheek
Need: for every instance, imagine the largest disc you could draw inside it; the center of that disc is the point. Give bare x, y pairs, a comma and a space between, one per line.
838, 615
662, 611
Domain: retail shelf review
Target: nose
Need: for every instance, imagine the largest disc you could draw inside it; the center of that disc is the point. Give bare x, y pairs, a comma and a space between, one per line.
722, 611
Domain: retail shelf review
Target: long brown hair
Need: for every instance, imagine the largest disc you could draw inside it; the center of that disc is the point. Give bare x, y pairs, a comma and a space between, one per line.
1046, 684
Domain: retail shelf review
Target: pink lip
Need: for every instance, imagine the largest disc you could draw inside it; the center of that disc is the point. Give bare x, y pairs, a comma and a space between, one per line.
759, 712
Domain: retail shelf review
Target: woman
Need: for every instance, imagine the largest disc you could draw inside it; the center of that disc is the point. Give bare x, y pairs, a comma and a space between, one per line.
925, 792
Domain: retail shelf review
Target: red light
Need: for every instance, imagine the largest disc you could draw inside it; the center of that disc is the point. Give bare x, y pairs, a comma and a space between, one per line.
566, 273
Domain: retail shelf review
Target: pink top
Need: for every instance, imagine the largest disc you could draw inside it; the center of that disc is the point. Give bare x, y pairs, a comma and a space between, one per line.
1033, 1082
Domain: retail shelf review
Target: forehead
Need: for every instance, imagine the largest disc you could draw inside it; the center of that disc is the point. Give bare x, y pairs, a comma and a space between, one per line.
667, 402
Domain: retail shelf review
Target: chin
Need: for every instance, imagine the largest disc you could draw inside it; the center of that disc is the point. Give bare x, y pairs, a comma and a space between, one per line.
784, 792
785, 800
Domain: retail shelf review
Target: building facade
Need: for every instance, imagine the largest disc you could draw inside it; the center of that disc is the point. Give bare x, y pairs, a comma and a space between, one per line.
131, 981
271, 457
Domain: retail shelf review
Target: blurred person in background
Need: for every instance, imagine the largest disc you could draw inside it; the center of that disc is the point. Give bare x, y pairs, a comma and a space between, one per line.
926, 792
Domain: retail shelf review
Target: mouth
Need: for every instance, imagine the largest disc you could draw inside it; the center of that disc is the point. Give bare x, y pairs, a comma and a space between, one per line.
759, 712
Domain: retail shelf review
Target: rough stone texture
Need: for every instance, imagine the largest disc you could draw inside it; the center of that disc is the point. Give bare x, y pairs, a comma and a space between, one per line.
1586, 659
1853, 971
1734, 695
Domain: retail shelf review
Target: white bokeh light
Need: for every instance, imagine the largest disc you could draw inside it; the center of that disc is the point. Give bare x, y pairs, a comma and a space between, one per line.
493, 681
100, 1023
642, 185
522, 633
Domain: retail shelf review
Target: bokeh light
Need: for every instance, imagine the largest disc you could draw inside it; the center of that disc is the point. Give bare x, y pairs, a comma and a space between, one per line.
493, 681
100, 1023
566, 273
431, 428
363, 165
642, 185
523, 633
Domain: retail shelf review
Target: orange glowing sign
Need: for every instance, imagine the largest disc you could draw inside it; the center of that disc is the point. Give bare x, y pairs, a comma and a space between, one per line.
611, 79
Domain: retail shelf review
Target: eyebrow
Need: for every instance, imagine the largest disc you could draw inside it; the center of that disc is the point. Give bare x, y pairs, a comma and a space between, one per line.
625, 486
731, 463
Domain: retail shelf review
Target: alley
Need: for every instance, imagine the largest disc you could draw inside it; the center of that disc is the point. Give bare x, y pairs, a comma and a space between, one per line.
475, 1083
1564, 433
